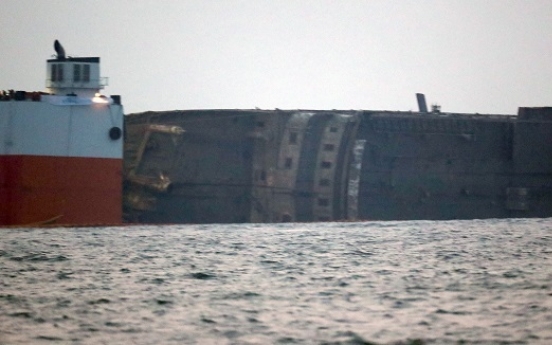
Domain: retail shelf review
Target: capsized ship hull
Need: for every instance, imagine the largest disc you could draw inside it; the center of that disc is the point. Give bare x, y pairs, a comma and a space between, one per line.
311, 165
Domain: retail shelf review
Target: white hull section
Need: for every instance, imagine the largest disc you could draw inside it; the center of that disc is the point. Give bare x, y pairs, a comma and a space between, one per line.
45, 129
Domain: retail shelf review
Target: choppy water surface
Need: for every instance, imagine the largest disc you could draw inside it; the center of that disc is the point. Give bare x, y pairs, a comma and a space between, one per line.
457, 282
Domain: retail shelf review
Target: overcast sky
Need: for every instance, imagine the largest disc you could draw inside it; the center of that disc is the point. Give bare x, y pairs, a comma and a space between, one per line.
471, 56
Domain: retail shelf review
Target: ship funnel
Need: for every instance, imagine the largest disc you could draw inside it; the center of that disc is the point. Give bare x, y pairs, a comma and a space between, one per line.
59, 50
421, 102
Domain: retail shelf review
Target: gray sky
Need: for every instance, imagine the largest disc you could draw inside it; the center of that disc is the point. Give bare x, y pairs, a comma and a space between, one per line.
472, 56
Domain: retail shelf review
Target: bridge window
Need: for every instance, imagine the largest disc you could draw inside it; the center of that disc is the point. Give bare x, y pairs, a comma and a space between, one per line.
86, 73
60, 72
53, 76
333, 129
57, 72
76, 72
326, 165
323, 202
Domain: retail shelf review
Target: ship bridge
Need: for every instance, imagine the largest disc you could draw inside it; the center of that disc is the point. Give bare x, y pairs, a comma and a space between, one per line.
78, 76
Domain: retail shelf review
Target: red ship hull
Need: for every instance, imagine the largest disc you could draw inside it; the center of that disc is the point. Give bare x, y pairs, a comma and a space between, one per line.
41, 190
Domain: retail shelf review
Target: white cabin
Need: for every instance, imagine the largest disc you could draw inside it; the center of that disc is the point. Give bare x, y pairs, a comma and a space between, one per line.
78, 76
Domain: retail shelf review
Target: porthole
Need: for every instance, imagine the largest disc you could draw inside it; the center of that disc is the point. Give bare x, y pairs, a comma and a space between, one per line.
115, 133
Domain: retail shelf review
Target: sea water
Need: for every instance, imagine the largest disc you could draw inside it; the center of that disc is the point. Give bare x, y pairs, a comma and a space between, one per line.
415, 282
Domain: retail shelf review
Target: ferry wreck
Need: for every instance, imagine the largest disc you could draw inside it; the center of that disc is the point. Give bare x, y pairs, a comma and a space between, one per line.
232, 166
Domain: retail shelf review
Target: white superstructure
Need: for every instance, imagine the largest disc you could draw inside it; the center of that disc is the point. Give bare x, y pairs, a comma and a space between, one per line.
73, 75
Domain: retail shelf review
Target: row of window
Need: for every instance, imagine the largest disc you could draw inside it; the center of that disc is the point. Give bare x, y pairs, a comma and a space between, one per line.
293, 137
288, 163
81, 73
